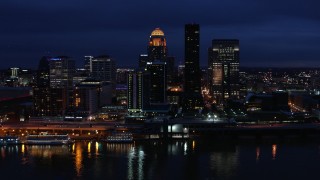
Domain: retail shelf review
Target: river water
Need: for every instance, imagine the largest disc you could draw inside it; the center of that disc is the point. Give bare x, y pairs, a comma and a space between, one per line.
192, 159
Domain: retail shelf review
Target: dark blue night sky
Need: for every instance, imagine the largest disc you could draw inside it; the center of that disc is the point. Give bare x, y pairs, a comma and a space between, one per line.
271, 32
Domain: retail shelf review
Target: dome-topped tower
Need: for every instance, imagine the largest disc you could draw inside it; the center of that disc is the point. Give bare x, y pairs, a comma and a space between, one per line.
157, 32
157, 48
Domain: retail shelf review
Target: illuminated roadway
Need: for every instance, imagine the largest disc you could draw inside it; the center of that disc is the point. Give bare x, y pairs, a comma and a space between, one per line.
112, 125
103, 128
80, 128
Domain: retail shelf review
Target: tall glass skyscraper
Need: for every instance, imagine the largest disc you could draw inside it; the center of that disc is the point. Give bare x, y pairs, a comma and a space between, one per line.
158, 82
41, 89
223, 65
192, 56
192, 84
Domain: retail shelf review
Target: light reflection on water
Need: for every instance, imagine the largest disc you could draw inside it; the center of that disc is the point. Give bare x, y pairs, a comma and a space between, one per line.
224, 163
135, 163
257, 153
45, 151
78, 158
3, 153
149, 160
274, 151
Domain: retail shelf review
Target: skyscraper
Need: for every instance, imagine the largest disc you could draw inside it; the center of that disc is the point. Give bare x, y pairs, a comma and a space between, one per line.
143, 59
14, 72
41, 89
192, 84
103, 68
223, 65
192, 58
158, 82
138, 91
170, 66
90, 95
87, 61
157, 48
62, 70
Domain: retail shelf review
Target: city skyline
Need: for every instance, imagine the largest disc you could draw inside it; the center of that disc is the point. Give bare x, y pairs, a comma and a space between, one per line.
271, 34
159, 89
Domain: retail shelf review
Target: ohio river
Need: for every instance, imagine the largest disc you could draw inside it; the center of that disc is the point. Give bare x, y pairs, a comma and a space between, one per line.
193, 159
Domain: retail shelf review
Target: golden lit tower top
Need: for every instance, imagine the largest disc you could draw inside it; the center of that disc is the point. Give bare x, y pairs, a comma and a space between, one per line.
157, 38
157, 32
157, 45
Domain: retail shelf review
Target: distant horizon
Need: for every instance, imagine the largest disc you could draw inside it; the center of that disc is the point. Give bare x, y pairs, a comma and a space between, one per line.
241, 67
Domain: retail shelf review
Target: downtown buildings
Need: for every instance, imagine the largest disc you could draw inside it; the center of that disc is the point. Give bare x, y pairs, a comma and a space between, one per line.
223, 72
155, 86
57, 92
147, 86
62, 90
53, 90
223, 67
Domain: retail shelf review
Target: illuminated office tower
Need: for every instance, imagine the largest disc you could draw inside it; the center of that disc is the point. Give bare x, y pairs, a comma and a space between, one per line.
62, 70
15, 72
157, 48
192, 76
223, 65
138, 91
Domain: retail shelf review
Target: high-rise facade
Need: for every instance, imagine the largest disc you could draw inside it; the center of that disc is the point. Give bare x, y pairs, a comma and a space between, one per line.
138, 91
87, 60
103, 68
41, 89
223, 66
62, 70
157, 48
143, 59
192, 58
158, 51
170, 66
14, 72
158, 82
122, 75
192, 75
90, 95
